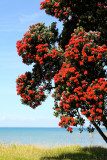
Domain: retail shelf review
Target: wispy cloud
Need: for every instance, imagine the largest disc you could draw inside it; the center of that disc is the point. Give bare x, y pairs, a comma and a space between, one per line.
3, 118
29, 18
12, 30
12, 27
20, 121
19, 23
23, 118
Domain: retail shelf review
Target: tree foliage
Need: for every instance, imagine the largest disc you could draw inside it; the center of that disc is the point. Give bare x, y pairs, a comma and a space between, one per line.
77, 65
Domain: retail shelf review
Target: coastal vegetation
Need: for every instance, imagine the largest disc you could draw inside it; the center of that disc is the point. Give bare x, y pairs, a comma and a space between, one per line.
31, 152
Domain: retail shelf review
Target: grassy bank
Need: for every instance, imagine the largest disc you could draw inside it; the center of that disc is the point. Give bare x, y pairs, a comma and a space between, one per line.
29, 152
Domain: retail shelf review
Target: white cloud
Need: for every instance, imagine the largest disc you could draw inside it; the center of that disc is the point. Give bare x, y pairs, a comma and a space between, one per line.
24, 118
12, 30
27, 121
3, 118
12, 27
27, 18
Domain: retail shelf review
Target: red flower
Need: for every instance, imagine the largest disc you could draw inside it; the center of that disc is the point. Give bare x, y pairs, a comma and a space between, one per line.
90, 118
85, 72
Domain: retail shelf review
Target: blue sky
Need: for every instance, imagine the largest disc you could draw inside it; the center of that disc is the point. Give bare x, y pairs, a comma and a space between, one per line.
15, 18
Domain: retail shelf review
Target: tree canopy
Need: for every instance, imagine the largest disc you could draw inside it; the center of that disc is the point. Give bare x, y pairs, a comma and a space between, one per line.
77, 65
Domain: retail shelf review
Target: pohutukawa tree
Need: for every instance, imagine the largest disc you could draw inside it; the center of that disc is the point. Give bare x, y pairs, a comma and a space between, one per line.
77, 65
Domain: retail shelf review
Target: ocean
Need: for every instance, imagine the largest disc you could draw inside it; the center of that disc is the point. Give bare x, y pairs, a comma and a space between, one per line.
50, 137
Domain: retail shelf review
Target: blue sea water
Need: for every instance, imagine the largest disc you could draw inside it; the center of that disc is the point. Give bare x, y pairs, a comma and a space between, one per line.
49, 137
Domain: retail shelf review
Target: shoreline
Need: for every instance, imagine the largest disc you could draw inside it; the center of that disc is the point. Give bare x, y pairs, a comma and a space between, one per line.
50, 137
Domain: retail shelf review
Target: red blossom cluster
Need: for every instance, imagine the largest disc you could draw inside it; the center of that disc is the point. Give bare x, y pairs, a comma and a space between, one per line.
36, 47
90, 52
34, 43
57, 9
67, 120
26, 88
94, 96
75, 91
43, 53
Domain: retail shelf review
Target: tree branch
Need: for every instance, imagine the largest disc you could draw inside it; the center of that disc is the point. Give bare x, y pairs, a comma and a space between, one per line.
100, 131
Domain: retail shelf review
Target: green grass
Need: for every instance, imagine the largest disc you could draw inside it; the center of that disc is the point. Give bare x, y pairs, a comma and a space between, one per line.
30, 152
